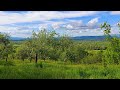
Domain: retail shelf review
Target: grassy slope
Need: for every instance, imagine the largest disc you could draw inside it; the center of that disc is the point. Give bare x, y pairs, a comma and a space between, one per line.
56, 70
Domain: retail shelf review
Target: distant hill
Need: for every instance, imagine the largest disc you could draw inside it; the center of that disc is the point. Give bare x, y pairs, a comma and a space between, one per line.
17, 38
74, 38
88, 38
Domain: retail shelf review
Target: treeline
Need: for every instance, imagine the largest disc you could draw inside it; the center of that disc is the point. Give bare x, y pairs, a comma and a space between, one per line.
45, 46
93, 45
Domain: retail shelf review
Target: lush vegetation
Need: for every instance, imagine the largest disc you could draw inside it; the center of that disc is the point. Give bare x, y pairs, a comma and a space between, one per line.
56, 70
49, 55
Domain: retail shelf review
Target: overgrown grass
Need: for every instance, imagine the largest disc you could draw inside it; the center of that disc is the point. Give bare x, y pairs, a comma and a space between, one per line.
56, 70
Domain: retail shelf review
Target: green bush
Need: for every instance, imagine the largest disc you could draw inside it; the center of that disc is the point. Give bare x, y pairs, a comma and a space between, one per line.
63, 56
9, 63
39, 65
95, 57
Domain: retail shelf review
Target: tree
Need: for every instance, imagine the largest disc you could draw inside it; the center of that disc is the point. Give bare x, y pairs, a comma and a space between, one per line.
112, 53
6, 45
41, 42
30, 52
107, 30
22, 52
65, 42
76, 53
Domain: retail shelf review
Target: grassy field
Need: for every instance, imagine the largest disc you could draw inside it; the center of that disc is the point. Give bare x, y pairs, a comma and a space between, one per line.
56, 70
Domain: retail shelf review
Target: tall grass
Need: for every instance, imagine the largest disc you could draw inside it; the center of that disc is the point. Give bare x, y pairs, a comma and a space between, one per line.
57, 70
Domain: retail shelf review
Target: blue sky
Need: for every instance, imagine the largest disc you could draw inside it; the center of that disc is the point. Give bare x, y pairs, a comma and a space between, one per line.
73, 23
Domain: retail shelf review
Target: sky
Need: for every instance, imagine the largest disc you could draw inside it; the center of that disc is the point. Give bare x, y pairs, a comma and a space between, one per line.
72, 23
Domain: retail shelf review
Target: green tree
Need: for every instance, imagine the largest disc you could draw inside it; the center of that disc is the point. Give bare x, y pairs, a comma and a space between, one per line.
22, 52
6, 46
112, 53
41, 43
65, 42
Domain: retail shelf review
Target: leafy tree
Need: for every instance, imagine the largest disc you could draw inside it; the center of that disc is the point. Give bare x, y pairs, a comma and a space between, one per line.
65, 42
6, 46
41, 42
22, 52
112, 53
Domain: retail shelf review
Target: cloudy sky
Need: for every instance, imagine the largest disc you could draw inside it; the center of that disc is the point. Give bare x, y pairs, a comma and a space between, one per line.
73, 23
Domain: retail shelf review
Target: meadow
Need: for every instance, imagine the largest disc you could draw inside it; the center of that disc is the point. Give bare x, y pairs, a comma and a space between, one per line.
45, 57
18, 69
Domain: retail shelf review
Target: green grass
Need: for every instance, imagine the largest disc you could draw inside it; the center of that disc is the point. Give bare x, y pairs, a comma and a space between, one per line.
56, 70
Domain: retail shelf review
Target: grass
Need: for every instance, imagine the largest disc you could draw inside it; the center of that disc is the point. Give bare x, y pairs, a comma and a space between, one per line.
56, 70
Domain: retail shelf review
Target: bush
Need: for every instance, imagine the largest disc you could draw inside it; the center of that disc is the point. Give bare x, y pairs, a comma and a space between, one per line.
39, 65
53, 54
73, 54
112, 53
9, 63
94, 57
63, 56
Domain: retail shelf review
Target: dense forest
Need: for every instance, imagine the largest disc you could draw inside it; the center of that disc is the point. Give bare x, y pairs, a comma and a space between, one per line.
48, 55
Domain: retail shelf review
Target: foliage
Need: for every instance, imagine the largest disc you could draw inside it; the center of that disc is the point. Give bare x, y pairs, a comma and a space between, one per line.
112, 53
6, 48
55, 70
93, 57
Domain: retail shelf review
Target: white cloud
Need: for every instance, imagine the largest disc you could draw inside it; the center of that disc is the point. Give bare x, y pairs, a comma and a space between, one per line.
15, 31
54, 19
115, 30
69, 26
56, 25
115, 12
9, 18
74, 24
93, 22
43, 26
77, 23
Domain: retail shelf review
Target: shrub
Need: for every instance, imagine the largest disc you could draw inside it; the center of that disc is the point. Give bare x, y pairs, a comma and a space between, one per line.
9, 63
39, 65
94, 57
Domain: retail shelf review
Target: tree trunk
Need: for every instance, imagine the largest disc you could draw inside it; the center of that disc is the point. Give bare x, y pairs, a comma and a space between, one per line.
44, 58
6, 59
30, 60
36, 58
13, 57
23, 59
